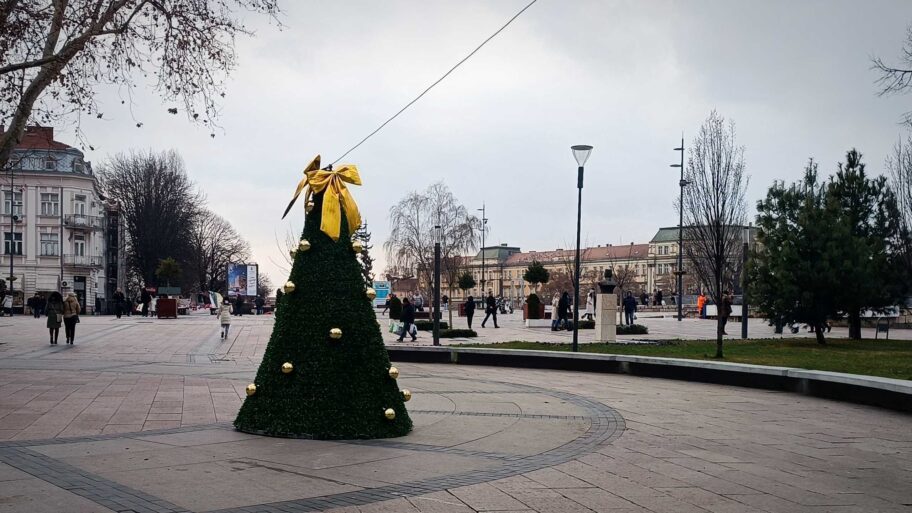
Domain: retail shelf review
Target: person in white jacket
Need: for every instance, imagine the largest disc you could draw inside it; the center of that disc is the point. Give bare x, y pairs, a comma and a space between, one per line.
224, 315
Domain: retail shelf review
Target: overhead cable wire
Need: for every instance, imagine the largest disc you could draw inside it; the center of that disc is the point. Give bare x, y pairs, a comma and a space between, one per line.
409, 104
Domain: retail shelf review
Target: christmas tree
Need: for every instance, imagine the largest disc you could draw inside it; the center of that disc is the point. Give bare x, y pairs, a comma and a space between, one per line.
326, 373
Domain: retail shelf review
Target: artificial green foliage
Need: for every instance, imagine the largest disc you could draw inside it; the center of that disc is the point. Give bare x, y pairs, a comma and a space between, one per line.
466, 281
632, 329
395, 308
533, 307
339, 389
458, 333
429, 325
536, 273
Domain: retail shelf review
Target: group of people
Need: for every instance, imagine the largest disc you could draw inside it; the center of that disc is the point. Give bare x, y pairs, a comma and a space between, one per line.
491, 306
62, 311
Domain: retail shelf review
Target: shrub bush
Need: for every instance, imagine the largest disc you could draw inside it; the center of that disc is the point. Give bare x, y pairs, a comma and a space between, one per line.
586, 325
422, 325
457, 333
633, 329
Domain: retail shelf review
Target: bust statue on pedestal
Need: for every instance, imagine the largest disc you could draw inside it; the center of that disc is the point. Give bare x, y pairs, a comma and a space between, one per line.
607, 285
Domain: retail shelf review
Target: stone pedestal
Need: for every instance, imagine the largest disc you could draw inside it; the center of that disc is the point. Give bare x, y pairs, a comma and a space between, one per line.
606, 309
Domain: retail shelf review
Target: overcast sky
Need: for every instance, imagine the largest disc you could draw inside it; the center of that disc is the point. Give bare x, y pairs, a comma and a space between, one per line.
624, 76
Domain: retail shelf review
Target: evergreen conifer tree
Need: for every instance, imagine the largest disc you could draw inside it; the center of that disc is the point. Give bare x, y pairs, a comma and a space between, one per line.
314, 381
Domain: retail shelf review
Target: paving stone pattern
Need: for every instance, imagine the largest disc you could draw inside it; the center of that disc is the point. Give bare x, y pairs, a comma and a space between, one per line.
135, 417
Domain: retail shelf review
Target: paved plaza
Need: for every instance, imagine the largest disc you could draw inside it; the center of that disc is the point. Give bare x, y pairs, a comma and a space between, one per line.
136, 417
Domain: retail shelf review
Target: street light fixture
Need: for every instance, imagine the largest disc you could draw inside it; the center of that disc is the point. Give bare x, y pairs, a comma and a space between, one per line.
680, 270
745, 249
438, 235
581, 154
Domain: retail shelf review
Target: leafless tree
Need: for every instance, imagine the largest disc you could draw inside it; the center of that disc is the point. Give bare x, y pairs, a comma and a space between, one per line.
714, 207
412, 231
899, 163
54, 53
160, 204
214, 243
896, 79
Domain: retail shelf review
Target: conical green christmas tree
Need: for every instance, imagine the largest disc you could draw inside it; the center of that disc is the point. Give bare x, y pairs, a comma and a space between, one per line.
326, 373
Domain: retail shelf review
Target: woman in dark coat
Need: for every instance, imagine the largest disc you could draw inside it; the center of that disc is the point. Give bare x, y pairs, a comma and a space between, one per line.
563, 309
54, 311
470, 309
407, 318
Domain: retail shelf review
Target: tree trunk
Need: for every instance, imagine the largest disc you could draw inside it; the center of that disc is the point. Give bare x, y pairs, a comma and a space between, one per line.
855, 324
819, 330
719, 335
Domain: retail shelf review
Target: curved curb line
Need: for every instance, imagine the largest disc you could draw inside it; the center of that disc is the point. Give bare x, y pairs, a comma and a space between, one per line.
894, 394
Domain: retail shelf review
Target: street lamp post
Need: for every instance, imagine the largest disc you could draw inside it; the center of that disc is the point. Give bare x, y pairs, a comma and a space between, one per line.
581, 154
484, 226
680, 271
744, 251
12, 241
437, 237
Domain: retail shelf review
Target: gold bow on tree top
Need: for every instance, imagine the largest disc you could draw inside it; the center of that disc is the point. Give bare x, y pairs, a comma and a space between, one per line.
335, 195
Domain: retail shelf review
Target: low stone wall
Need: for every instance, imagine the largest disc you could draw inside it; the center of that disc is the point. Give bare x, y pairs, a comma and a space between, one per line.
895, 394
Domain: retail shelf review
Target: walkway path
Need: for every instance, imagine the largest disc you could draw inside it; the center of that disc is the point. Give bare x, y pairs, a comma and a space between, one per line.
136, 418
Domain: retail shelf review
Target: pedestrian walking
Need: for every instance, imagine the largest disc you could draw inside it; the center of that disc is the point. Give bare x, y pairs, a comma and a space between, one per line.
630, 308
726, 309
259, 302
119, 302
658, 298
563, 310
407, 318
701, 306
8, 305
644, 298
71, 310
590, 304
555, 309
490, 309
239, 306
224, 316
470, 309
395, 310
145, 298
386, 305
54, 311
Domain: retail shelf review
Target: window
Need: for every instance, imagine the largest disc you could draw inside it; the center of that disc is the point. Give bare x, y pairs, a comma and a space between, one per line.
78, 166
79, 207
50, 164
50, 244
50, 204
15, 206
12, 243
79, 245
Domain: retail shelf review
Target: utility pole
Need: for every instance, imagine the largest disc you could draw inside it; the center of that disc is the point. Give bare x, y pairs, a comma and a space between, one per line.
680, 271
12, 241
484, 227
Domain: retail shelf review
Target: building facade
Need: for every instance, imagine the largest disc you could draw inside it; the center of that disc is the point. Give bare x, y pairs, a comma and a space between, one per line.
55, 224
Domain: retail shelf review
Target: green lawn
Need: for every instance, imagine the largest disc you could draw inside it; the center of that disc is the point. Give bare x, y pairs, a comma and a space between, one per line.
886, 358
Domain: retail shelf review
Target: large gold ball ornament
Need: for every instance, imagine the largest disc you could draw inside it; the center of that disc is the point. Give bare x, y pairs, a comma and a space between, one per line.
389, 413
371, 293
304, 245
287, 367
406, 395
394, 373
335, 333
289, 287
309, 206
357, 246
251, 389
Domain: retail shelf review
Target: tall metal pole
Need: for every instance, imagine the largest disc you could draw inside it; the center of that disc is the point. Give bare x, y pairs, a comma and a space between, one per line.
744, 306
680, 271
484, 225
12, 242
437, 289
576, 273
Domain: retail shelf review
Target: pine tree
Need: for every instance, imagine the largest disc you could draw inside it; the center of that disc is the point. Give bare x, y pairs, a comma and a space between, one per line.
331, 388
367, 262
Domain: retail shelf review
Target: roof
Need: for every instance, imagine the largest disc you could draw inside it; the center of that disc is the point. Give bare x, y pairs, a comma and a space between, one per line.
669, 234
499, 253
39, 138
622, 252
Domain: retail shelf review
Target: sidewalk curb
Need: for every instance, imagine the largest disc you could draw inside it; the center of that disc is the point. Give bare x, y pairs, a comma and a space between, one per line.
894, 394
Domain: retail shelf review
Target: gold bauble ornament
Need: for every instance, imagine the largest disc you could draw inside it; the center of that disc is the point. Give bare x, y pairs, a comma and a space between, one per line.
304, 245
335, 333
389, 413
287, 367
357, 246
371, 293
309, 206
251, 389
289, 287
394, 372
292, 253
406, 394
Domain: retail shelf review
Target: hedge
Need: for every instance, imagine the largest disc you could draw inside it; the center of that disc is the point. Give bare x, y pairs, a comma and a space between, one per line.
423, 325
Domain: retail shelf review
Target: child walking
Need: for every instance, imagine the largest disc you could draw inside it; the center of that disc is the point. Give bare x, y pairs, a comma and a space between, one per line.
224, 315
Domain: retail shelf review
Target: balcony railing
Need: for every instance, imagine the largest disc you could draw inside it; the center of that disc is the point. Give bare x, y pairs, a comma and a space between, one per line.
82, 260
78, 221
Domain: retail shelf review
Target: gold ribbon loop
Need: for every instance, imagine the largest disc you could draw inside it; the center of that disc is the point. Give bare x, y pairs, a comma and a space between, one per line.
336, 196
